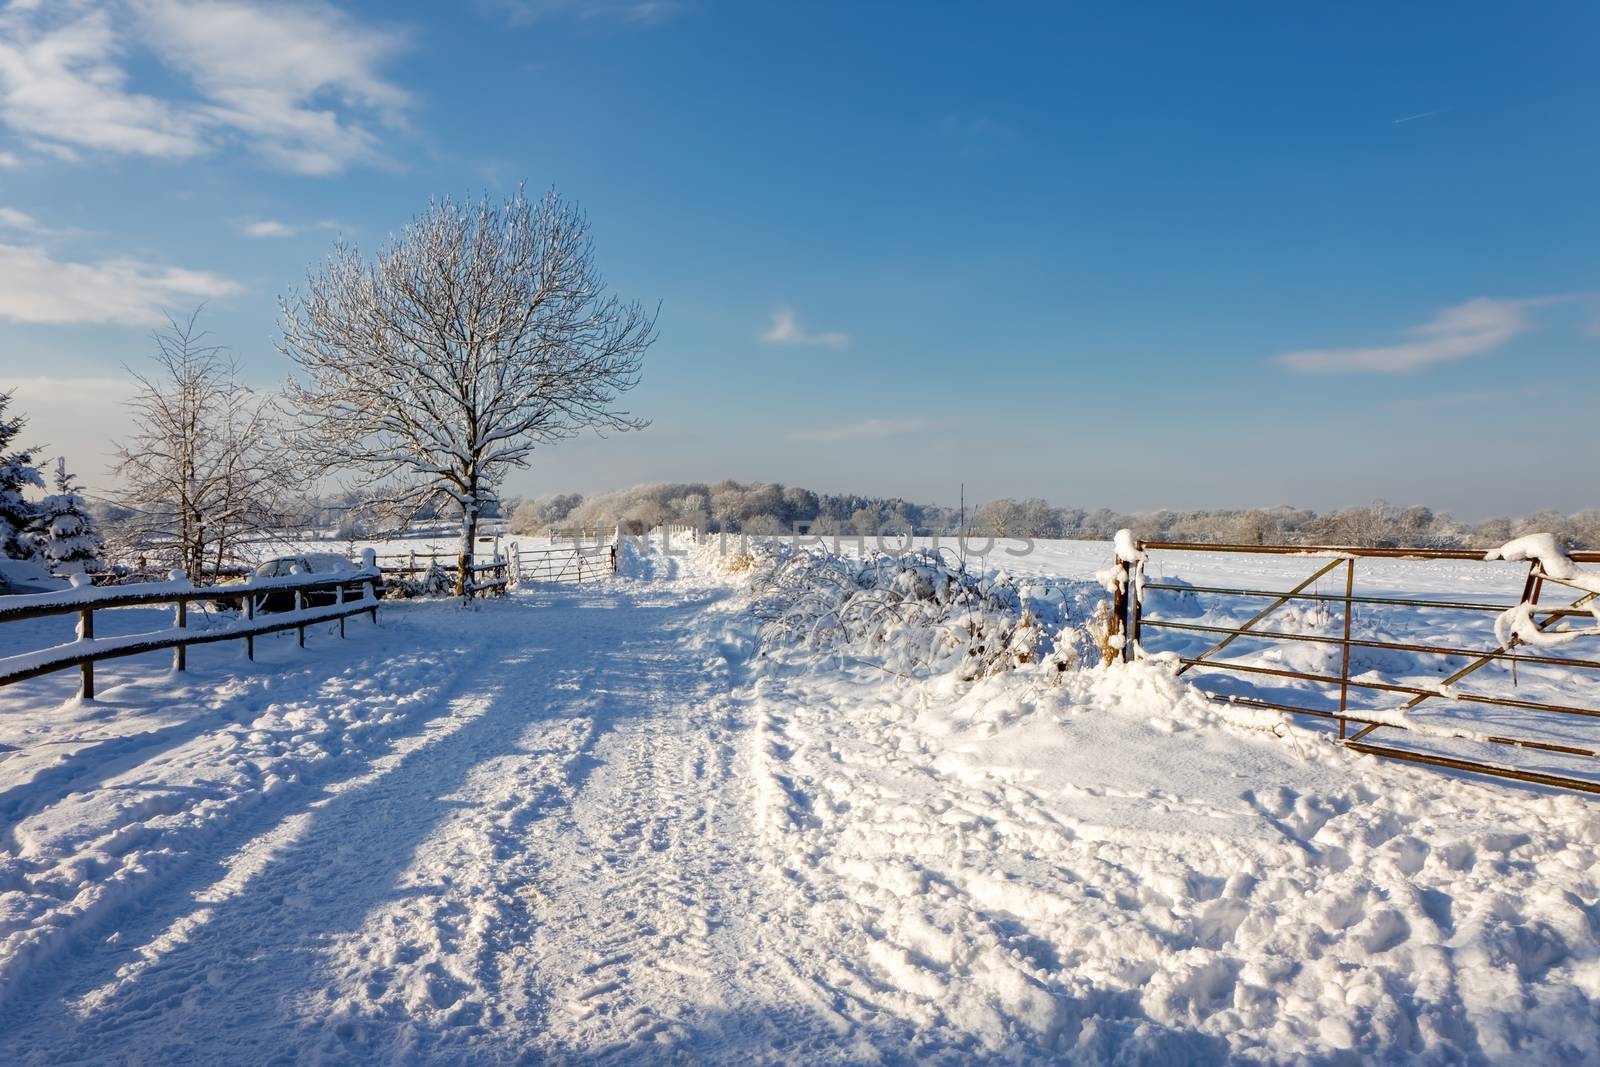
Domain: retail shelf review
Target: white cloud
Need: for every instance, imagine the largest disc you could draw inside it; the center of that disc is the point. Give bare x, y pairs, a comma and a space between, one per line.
296, 83
865, 430
272, 71
9, 160
63, 85
12, 219
37, 287
637, 12
269, 228
785, 330
1460, 332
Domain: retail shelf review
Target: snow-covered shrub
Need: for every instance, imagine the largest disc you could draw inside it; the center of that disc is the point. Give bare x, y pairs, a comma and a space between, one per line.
435, 581
919, 613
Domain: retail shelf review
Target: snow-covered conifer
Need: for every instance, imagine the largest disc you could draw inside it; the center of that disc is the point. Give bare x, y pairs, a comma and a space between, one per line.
17, 471
67, 536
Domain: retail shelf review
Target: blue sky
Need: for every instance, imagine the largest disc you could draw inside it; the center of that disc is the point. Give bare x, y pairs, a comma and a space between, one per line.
1174, 256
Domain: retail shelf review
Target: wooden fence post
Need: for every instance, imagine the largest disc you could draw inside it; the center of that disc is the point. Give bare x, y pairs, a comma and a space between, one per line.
180, 654
86, 633
299, 606
250, 616
1136, 610
1117, 639
369, 588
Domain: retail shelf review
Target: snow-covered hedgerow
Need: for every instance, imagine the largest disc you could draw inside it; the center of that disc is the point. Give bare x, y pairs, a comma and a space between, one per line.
919, 614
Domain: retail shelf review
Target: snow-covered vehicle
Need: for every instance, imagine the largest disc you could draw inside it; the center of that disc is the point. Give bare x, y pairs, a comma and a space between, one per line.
21, 576
310, 563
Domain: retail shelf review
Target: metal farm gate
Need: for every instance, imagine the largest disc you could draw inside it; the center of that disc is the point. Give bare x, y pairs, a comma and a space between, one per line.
1359, 651
575, 563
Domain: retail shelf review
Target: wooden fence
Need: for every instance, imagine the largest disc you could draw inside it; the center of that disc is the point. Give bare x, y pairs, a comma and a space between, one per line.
85, 601
412, 565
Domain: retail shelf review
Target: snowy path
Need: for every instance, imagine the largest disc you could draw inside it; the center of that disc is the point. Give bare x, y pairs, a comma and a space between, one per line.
590, 826
536, 873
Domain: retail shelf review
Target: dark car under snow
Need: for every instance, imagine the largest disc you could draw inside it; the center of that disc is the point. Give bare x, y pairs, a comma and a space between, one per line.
315, 564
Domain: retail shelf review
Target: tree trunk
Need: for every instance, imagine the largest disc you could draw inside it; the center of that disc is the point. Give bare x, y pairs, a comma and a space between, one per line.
469, 534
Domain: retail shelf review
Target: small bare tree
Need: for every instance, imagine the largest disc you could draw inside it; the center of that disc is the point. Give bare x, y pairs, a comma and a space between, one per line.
203, 475
479, 333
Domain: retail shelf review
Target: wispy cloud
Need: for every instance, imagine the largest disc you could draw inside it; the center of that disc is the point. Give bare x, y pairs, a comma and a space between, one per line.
38, 287
12, 219
635, 12
1403, 119
296, 83
1474, 328
9, 160
1498, 397
865, 430
785, 330
969, 127
268, 228
272, 228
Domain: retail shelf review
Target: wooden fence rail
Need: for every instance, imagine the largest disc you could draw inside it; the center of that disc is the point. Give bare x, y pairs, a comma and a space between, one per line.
414, 564
498, 582
88, 650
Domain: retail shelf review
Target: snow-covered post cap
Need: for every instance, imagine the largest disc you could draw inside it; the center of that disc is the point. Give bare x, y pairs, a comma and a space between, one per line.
369, 558
177, 576
79, 580
1127, 547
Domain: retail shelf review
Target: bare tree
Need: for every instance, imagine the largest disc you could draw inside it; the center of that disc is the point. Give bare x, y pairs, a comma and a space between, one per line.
203, 475
480, 333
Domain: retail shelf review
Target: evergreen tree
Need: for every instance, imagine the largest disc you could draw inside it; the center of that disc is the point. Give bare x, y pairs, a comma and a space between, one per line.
17, 472
67, 536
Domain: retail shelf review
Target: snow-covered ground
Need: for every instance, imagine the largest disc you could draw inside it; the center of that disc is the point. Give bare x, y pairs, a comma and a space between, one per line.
598, 824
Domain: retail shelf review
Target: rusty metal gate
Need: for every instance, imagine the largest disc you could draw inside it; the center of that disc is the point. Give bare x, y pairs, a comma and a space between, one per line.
1490, 726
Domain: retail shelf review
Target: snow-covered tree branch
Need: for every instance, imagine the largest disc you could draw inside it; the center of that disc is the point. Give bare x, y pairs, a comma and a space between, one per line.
204, 473
481, 332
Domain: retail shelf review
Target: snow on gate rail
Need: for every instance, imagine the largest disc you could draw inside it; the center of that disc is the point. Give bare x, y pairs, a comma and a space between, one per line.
84, 601
1342, 644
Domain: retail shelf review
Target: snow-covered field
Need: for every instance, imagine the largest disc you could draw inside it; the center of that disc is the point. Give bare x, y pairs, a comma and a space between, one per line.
600, 823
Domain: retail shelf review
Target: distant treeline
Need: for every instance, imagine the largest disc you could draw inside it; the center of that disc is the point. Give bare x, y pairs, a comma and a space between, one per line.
768, 508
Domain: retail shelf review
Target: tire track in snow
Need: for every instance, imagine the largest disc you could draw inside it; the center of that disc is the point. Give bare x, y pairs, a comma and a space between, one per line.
528, 873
